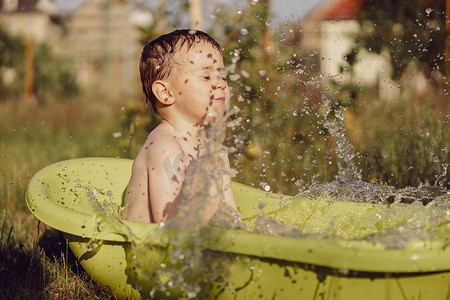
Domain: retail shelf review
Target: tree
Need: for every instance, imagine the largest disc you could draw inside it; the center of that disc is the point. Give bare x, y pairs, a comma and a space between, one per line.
279, 142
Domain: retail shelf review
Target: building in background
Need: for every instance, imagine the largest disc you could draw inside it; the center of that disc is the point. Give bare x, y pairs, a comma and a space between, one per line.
330, 30
98, 36
28, 18
102, 40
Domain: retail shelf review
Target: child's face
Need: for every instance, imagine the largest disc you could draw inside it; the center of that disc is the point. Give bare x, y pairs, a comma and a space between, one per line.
199, 83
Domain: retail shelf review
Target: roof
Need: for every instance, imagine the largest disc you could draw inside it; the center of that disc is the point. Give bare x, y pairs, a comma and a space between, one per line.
22, 5
347, 9
338, 10
343, 10
27, 5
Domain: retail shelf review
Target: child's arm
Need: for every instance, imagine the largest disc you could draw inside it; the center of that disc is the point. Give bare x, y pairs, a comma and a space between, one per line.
154, 191
167, 167
137, 205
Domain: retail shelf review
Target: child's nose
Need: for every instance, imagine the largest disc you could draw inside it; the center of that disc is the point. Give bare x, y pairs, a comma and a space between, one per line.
221, 83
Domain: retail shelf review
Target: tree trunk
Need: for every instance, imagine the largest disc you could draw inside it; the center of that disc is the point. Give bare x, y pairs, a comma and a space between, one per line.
196, 14
29, 70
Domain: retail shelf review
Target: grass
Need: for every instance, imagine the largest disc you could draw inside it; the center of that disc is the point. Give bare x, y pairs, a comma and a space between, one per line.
34, 261
406, 144
33, 270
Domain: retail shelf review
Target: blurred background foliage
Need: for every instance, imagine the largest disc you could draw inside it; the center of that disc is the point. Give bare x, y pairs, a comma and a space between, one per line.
54, 78
409, 30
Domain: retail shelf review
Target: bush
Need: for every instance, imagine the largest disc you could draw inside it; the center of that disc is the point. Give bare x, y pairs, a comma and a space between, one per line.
405, 142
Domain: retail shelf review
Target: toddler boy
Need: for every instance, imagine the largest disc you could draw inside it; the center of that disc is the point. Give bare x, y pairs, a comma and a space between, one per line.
183, 77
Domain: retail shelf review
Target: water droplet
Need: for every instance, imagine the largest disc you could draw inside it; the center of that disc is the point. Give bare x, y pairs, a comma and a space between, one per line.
254, 2
234, 77
244, 31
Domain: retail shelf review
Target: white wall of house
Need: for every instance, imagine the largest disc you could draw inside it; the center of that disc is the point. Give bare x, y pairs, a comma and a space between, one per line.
337, 38
335, 43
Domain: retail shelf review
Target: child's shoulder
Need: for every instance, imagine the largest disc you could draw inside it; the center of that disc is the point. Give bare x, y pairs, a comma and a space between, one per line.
160, 144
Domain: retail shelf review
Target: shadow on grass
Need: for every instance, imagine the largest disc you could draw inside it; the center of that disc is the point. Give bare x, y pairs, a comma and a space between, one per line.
55, 248
21, 270
43, 270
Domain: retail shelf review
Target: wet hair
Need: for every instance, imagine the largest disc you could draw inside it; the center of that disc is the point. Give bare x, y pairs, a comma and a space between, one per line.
157, 58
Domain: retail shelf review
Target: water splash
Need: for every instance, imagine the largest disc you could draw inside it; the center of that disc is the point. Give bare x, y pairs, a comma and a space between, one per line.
187, 268
397, 218
321, 215
344, 150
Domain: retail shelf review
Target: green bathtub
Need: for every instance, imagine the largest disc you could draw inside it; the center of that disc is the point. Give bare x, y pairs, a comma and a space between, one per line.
330, 259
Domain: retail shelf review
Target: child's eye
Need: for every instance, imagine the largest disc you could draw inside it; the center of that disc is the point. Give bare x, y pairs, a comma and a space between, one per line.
206, 77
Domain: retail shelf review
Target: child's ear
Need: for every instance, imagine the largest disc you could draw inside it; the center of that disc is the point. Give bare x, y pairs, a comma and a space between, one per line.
161, 90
